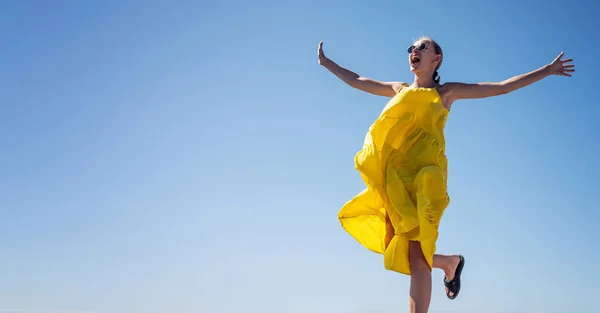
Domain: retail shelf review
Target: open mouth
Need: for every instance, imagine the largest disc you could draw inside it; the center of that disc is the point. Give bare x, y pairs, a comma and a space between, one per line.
414, 60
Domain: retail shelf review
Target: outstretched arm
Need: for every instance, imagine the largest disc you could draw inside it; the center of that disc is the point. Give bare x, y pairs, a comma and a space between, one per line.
388, 89
483, 90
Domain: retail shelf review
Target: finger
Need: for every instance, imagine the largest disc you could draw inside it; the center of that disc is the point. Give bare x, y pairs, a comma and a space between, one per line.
564, 74
568, 66
570, 71
321, 45
567, 60
560, 56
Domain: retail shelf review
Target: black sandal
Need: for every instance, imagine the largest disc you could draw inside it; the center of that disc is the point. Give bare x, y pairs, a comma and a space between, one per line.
454, 285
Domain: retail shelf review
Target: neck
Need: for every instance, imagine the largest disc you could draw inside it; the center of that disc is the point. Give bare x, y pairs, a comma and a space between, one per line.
426, 82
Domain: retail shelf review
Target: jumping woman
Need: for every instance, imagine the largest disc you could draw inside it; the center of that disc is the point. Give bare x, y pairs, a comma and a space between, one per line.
403, 164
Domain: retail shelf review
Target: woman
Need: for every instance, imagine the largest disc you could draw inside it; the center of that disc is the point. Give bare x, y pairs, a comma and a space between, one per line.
404, 166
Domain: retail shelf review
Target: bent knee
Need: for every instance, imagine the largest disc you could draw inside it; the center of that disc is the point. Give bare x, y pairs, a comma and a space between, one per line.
430, 175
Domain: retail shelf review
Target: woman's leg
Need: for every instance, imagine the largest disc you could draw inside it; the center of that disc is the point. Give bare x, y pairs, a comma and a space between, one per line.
420, 279
448, 264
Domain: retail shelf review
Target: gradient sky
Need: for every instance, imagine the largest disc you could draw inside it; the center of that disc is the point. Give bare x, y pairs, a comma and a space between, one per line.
192, 156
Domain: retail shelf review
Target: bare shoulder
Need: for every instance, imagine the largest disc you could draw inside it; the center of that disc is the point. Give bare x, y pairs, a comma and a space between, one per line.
450, 87
397, 86
446, 92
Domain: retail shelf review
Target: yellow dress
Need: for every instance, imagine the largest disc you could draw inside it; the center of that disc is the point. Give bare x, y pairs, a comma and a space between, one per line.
404, 167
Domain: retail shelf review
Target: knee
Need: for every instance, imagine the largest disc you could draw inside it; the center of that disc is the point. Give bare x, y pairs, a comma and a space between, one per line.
429, 175
418, 263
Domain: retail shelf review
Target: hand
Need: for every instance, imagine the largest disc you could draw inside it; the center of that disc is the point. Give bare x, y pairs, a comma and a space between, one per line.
321, 55
561, 67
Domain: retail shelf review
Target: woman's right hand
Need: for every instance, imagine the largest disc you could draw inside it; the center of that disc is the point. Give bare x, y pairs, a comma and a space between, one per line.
321, 55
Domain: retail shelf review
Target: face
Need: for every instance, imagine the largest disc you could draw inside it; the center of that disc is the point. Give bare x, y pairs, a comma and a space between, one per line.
422, 57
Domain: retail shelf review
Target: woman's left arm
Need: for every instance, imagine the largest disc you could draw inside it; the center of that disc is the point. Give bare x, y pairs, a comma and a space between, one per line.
458, 91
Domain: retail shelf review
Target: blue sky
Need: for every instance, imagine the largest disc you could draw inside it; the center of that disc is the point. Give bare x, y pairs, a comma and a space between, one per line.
193, 156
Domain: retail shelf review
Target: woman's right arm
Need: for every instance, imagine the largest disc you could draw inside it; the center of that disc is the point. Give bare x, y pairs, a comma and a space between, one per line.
387, 89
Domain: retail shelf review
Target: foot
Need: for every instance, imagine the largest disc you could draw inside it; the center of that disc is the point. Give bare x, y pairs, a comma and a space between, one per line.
451, 269
452, 278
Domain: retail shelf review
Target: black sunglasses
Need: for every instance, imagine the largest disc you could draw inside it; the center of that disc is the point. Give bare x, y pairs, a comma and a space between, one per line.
420, 47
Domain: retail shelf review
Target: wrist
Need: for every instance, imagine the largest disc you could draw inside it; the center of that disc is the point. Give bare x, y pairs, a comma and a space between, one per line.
547, 70
326, 62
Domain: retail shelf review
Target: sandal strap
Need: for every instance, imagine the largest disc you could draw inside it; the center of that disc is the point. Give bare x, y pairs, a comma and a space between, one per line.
450, 283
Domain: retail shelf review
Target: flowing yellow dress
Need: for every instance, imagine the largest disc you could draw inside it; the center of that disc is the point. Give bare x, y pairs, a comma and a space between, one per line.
404, 166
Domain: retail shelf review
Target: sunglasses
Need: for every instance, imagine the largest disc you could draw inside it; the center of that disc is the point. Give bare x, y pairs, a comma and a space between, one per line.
420, 47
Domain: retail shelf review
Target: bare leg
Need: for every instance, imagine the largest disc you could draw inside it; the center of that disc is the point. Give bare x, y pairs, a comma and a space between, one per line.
420, 279
447, 263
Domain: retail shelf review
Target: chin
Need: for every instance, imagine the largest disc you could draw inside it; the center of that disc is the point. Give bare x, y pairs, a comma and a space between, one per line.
415, 70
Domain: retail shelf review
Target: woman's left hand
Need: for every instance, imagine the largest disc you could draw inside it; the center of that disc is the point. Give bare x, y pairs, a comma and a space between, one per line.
561, 67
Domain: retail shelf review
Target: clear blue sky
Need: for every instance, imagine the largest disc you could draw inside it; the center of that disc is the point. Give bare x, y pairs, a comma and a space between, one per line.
192, 156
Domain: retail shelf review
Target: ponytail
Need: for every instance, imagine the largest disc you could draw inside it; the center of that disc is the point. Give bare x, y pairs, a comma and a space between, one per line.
436, 77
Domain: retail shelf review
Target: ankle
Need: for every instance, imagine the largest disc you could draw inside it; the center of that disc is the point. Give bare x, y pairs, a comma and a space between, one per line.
450, 267
449, 272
